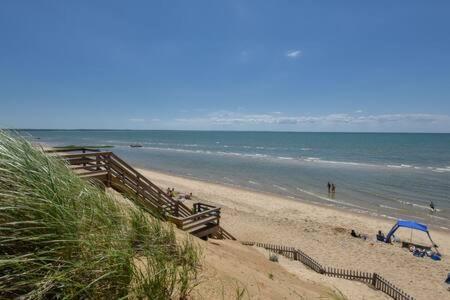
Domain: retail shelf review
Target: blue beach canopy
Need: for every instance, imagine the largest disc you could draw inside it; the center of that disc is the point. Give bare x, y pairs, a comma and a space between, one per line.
407, 224
412, 224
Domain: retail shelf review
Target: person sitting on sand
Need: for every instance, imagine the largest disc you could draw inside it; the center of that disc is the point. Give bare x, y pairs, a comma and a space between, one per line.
185, 196
353, 234
380, 236
358, 235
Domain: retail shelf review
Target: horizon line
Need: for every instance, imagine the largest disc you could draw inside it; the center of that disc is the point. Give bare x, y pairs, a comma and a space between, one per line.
221, 130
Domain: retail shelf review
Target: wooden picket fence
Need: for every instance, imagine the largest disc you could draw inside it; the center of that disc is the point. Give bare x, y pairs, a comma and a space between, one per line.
372, 279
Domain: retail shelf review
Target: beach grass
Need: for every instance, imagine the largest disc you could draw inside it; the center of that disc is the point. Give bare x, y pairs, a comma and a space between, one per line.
63, 238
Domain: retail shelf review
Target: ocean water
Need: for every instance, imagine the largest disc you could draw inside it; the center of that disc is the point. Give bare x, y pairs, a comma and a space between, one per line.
380, 174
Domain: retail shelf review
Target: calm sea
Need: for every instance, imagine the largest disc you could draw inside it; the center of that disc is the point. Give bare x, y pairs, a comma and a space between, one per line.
388, 175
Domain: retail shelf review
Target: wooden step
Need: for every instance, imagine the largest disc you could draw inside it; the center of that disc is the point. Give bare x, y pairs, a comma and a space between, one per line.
93, 174
200, 223
205, 231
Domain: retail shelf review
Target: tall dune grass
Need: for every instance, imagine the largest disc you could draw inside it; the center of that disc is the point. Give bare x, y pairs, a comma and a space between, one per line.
61, 237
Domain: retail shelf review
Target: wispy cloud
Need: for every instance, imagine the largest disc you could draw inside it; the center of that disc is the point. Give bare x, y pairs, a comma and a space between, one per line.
294, 53
137, 120
347, 119
244, 56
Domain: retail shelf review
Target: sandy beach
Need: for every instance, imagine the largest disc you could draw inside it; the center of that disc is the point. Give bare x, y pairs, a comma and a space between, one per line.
323, 233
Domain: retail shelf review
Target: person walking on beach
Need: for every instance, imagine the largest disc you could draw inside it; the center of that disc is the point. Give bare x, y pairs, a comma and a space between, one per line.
329, 187
432, 206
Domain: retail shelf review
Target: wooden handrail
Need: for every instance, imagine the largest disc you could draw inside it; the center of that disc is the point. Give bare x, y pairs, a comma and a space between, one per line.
199, 206
81, 155
57, 150
200, 214
131, 172
183, 209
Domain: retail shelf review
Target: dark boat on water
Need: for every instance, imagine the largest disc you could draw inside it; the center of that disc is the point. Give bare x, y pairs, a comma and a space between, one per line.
135, 145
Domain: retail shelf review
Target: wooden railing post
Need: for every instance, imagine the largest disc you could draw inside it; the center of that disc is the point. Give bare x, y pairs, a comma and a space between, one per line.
177, 207
108, 168
137, 185
374, 280
97, 161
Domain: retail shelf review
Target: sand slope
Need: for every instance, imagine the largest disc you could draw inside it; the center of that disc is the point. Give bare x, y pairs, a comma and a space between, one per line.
230, 268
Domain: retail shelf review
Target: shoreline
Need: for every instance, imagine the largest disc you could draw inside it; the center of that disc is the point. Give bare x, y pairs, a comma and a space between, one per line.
366, 214
322, 232
351, 196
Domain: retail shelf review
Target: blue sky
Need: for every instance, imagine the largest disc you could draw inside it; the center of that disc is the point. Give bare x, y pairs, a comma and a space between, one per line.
226, 65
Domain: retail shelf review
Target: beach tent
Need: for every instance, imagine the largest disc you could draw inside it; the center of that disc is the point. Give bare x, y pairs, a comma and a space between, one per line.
408, 224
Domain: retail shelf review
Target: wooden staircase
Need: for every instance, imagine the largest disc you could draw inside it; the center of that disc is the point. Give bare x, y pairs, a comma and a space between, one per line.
110, 170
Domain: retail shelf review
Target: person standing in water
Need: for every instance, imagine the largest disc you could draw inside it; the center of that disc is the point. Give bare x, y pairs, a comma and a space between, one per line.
329, 187
432, 206
333, 188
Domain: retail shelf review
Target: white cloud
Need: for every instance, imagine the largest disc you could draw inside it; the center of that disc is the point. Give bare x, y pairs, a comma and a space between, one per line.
244, 56
400, 121
294, 53
136, 120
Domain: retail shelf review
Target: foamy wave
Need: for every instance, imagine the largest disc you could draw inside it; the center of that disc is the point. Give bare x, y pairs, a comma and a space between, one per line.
388, 217
401, 166
254, 182
360, 211
228, 179
389, 207
252, 155
280, 187
419, 206
305, 159
285, 157
312, 159
437, 217
441, 170
334, 162
327, 199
